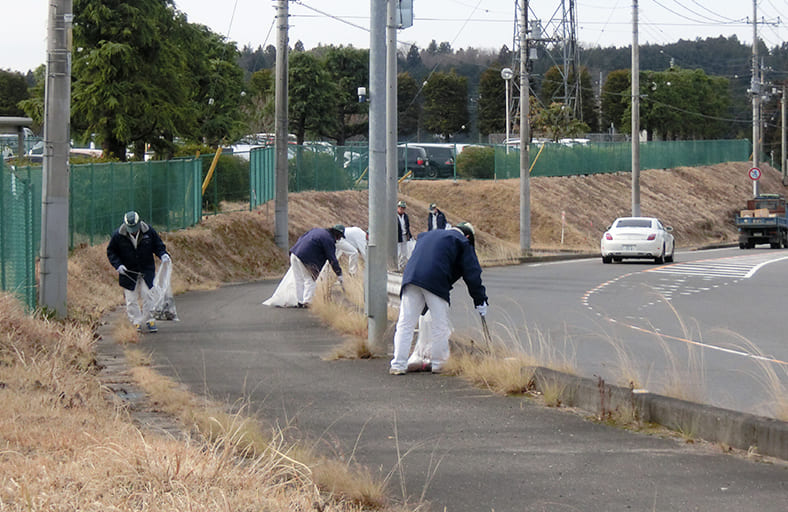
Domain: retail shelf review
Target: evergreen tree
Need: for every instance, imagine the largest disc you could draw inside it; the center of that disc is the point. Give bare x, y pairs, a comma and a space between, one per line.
408, 106
13, 90
446, 104
312, 95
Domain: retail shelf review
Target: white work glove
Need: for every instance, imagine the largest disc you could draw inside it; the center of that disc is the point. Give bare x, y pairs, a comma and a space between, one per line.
482, 309
122, 270
165, 258
341, 280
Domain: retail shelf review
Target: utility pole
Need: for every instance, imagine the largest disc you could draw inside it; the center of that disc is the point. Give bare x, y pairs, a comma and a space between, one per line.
756, 95
783, 159
635, 113
54, 190
281, 129
389, 248
375, 293
525, 139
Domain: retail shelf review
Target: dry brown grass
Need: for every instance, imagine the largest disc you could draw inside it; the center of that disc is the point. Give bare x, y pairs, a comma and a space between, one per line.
65, 447
252, 439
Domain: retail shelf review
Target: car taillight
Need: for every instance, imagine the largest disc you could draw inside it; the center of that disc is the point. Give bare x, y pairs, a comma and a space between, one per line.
652, 236
419, 161
608, 236
448, 162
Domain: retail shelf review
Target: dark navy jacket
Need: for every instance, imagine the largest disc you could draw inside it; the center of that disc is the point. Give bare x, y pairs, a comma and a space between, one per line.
439, 259
121, 251
314, 248
403, 237
440, 221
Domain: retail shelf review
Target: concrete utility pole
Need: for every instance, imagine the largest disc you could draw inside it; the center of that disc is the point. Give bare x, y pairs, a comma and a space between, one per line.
635, 113
756, 95
281, 129
525, 139
783, 159
390, 247
54, 190
375, 293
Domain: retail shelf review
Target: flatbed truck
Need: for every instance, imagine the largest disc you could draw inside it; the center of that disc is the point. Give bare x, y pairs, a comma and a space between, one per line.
763, 222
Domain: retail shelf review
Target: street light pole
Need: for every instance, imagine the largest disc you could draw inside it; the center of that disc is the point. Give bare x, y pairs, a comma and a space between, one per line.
507, 74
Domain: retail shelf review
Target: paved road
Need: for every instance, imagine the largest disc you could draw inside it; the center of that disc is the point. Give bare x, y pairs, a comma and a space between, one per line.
709, 326
435, 437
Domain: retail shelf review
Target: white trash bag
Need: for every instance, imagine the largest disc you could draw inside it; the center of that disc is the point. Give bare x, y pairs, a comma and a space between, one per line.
285, 294
163, 301
419, 360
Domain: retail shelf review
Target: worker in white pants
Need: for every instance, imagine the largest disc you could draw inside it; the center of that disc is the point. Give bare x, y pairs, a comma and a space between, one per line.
305, 282
412, 302
307, 257
440, 258
130, 251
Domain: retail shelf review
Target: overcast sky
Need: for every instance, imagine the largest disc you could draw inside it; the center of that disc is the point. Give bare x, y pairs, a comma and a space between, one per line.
463, 23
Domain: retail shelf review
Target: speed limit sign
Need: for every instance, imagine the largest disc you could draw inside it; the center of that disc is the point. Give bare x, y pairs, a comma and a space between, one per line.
755, 174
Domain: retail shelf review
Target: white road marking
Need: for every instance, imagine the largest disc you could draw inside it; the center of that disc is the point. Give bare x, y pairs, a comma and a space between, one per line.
742, 267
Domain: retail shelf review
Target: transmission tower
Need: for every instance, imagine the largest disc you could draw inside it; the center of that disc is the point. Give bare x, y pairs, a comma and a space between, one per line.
554, 39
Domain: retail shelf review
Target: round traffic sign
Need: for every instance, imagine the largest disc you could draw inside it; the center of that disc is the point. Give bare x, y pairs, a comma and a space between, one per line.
755, 174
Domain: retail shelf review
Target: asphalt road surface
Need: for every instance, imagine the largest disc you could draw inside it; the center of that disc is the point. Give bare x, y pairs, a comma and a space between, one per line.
709, 328
436, 439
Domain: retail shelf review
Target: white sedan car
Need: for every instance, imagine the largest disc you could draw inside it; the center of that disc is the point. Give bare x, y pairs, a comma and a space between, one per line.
637, 237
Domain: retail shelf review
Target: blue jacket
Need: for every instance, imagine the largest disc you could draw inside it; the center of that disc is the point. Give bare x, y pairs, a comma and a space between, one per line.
439, 259
314, 248
121, 251
440, 221
403, 236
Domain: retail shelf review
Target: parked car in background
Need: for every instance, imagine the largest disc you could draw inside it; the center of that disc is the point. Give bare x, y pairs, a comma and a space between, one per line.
637, 237
411, 157
441, 160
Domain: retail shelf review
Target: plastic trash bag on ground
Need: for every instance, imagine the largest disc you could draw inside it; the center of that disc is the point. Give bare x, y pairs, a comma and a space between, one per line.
163, 301
285, 294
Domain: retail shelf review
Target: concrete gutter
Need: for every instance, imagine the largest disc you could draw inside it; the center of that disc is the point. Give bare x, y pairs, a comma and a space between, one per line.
765, 436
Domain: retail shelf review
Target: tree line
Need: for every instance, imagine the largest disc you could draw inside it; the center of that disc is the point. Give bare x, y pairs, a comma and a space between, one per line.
145, 77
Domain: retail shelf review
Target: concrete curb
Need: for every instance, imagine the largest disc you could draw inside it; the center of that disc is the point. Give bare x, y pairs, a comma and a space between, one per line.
766, 436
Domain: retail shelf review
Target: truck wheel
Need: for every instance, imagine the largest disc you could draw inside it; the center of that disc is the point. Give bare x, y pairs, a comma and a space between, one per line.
775, 245
741, 245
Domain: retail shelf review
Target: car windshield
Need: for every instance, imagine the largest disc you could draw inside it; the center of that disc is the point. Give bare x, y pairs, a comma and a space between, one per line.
633, 223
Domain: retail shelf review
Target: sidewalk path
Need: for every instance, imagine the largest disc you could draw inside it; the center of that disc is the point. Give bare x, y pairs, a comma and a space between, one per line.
460, 448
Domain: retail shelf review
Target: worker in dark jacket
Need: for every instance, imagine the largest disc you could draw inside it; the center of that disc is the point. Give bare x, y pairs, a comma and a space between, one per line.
308, 256
440, 258
130, 251
403, 235
435, 219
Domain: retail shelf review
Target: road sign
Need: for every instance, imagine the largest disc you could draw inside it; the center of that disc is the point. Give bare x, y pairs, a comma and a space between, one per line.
755, 174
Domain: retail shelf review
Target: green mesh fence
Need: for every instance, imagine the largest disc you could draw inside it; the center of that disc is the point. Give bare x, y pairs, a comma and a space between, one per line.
17, 234
320, 167
261, 176
166, 194
593, 158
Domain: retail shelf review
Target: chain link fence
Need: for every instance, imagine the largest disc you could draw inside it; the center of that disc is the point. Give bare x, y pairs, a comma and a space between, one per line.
18, 246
